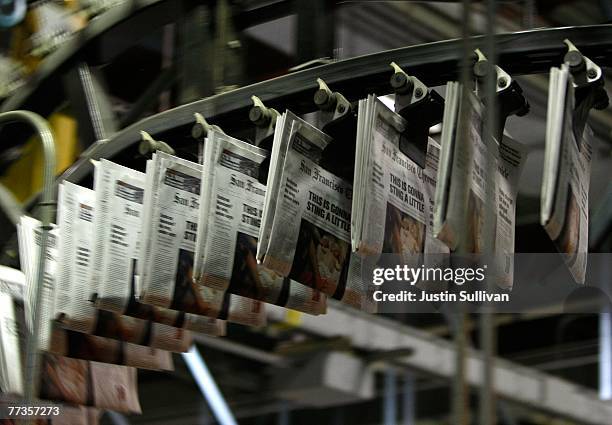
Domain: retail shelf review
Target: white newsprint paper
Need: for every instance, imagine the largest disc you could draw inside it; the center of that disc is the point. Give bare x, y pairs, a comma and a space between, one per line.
393, 203
118, 224
567, 170
168, 263
305, 233
73, 304
491, 173
233, 210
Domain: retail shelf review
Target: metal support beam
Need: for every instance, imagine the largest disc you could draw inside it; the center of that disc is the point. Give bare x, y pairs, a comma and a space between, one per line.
408, 399
432, 355
605, 355
390, 398
284, 415
314, 17
195, 44
242, 350
90, 104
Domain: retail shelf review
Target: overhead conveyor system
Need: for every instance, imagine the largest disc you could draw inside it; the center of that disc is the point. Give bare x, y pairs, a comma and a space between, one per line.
527, 52
436, 63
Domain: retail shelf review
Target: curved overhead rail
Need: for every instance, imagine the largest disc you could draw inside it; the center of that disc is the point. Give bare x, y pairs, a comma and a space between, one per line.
135, 14
436, 63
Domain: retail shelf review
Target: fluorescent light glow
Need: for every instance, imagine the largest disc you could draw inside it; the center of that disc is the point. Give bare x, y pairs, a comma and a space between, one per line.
208, 386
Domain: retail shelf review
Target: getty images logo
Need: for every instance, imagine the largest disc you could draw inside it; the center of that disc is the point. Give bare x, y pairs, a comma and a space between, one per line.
413, 275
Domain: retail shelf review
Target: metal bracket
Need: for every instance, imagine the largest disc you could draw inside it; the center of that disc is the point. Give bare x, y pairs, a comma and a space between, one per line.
16, 15
92, 106
264, 119
588, 82
584, 70
201, 127
587, 78
200, 130
421, 107
149, 145
338, 119
510, 98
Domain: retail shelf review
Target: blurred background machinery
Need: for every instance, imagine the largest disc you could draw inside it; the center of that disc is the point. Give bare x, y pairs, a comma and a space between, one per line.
101, 71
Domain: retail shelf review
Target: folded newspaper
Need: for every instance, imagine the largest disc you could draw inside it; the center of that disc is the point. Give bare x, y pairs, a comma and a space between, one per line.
305, 230
231, 210
89, 384
393, 201
567, 168
53, 338
73, 306
465, 187
62, 379
117, 225
83, 346
171, 230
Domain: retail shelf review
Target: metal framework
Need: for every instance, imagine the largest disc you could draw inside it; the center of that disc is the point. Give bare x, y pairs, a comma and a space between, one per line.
435, 356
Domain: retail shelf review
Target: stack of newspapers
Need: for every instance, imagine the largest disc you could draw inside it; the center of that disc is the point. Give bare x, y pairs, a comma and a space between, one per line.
168, 272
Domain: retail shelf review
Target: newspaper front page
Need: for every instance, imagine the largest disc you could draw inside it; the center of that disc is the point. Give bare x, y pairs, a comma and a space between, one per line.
469, 162
235, 209
168, 277
567, 169
308, 220
118, 220
393, 205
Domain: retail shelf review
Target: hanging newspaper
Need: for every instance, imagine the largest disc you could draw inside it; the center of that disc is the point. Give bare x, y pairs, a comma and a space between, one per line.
29, 234
465, 183
305, 231
52, 337
567, 169
393, 201
73, 305
68, 343
12, 284
118, 221
172, 227
232, 210
87, 383
62, 379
